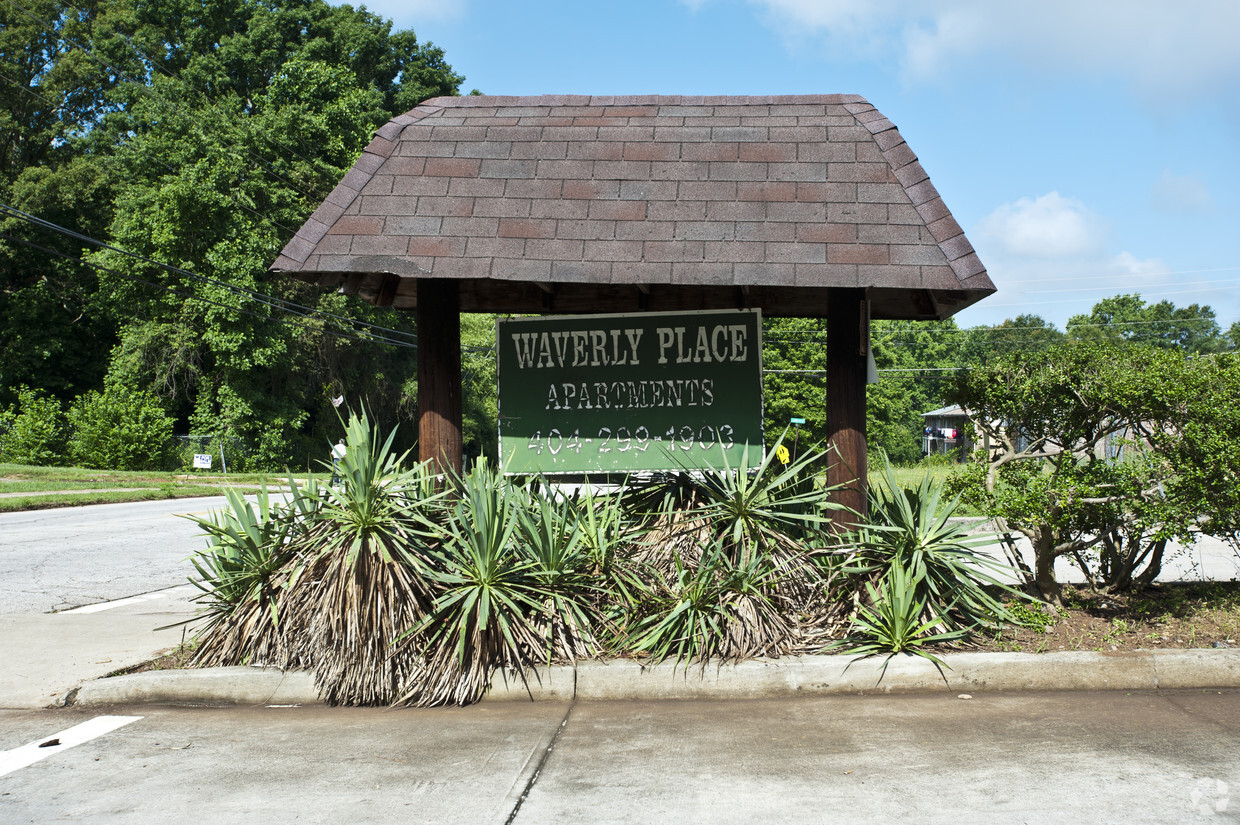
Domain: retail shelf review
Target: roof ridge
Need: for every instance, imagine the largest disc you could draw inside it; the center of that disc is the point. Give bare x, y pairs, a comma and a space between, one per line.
464, 101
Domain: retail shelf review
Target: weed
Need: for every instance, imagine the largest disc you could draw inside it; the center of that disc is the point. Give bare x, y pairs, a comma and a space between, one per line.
1033, 616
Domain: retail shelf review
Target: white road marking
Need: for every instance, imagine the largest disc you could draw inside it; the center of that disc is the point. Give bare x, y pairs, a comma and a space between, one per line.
171, 592
27, 755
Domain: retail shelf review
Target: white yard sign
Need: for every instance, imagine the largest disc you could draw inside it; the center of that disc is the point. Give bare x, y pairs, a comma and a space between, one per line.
202, 461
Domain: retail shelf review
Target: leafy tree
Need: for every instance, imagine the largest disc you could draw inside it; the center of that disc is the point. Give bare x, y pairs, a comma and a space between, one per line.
54, 92
1196, 427
1077, 461
894, 405
1024, 333
799, 345
200, 134
479, 401
920, 355
1127, 318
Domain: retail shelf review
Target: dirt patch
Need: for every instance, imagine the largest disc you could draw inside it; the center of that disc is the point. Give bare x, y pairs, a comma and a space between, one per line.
176, 659
1180, 615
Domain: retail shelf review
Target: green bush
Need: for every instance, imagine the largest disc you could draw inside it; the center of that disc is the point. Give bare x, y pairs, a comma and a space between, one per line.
32, 432
120, 429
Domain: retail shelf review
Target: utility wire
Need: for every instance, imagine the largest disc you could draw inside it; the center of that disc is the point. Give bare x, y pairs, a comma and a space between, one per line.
824, 372
1194, 285
234, 198
370, 332
262, 298
1154, 294
190, 296
1128, 275
992, 330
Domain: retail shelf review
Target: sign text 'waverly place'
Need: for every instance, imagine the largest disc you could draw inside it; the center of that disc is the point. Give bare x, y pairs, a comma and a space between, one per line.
617, 393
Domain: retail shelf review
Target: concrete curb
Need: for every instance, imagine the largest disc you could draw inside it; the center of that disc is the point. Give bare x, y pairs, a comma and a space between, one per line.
781, 678
208, 686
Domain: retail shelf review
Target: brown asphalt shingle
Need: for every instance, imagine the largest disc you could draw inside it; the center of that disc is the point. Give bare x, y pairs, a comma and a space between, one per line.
676, 202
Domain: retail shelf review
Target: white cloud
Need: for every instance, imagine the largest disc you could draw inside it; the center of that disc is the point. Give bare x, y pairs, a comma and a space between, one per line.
1057, 289
1181, 193
1050, 226
1049, 256
1140, 271
1159, 46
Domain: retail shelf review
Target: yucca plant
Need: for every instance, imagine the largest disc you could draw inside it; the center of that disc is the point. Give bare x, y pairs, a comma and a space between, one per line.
240, 573
554, 539
487, 595
892, 623
360, 577
767, 509
911, 530
607, 534
773, 517
716, 607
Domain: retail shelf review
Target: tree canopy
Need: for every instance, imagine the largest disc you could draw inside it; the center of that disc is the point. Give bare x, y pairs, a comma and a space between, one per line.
196, 135
1128, 318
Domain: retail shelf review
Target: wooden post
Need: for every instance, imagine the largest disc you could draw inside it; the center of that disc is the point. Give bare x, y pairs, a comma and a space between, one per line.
439, 373
847, 340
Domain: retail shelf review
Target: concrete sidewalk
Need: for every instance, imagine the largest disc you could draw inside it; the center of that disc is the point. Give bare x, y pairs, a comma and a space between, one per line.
46, 656
62, 658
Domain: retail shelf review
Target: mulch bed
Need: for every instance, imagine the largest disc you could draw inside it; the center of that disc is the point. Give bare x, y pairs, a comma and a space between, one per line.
1178, 615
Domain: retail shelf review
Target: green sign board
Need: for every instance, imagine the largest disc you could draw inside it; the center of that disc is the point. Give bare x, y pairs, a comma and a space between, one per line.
617, 393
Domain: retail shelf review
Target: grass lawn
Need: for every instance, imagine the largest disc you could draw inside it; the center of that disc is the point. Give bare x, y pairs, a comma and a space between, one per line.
71, 486
911, 476
44, 487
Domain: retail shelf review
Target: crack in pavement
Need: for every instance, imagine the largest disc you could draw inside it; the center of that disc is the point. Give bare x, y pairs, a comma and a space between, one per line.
529, 786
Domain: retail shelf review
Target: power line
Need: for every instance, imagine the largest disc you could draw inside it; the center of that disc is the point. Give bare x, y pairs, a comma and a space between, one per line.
1127, 275
1155, 294
370, 332
993, 330
1143, 286
262, 298
824, 372
190, 296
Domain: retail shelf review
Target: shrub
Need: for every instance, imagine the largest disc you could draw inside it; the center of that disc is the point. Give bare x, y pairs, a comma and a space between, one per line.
241, 573
911, 529
393, 589
120, 429
32, 432
359, 578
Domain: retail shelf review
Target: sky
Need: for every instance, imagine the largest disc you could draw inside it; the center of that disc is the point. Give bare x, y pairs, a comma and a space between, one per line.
1087, 147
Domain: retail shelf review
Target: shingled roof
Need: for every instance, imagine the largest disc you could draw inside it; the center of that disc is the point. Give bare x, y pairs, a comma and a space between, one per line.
592, 204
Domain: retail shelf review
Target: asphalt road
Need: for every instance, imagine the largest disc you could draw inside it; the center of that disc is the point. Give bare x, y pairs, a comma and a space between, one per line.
1011, 758
62, 558
71, 556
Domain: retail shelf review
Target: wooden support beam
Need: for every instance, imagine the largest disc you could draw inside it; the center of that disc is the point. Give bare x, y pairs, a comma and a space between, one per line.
847, 341
439, 373
387, 290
